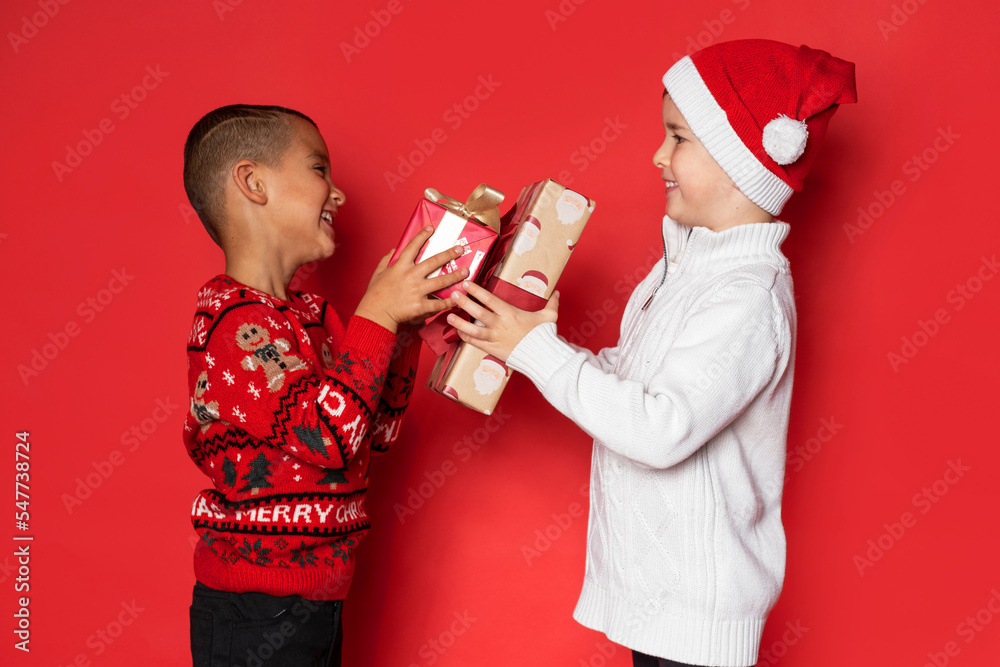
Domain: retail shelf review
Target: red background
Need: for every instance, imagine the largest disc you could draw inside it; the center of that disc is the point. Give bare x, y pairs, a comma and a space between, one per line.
123, 208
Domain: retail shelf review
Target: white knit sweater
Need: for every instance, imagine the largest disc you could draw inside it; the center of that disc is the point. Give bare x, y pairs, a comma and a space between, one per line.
689, 415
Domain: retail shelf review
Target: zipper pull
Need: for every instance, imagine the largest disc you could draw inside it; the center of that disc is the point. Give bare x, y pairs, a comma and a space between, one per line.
649, 300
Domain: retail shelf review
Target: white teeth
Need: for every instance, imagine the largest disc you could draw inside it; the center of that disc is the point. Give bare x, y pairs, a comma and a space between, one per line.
327, 216
670, 184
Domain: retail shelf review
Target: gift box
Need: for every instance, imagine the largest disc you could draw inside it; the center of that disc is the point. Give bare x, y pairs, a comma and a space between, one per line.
537, 237
474, 225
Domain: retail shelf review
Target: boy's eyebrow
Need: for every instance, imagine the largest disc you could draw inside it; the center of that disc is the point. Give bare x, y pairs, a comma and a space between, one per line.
321, 156
675, 127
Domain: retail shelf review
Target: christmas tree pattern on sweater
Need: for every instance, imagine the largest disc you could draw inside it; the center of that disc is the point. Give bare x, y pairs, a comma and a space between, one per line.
286, 405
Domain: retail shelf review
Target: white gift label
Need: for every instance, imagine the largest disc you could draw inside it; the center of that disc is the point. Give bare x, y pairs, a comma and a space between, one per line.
476, 259
447, 235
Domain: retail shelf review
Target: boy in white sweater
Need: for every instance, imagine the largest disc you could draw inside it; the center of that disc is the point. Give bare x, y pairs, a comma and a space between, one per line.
689, 412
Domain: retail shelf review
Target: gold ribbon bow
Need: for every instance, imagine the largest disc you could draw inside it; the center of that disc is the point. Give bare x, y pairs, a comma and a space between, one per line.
483, 204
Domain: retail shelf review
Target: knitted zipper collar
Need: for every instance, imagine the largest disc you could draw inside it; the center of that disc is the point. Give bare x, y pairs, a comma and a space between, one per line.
699, 248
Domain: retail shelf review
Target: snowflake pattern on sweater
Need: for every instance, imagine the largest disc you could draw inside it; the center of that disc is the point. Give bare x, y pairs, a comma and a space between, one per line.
286, 404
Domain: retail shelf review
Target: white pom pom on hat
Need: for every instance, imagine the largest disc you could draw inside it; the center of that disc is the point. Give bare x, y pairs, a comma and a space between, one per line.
785, 139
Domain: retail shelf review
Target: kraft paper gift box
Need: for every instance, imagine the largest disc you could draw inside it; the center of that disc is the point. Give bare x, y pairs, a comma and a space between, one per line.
536, 240
474, 225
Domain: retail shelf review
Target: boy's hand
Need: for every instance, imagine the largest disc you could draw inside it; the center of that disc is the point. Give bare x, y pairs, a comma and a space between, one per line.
504, 325
399, 293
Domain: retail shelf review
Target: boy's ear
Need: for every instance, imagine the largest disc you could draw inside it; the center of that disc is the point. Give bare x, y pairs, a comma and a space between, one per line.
247, 178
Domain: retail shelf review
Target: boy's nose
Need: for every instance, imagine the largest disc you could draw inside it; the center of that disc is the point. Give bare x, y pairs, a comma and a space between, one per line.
661, 157
337, 195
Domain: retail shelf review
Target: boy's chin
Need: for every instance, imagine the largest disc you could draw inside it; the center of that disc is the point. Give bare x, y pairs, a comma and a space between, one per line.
326, 252
327, 245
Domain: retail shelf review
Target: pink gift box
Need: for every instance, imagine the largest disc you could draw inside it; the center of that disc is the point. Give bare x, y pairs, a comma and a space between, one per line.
453, 225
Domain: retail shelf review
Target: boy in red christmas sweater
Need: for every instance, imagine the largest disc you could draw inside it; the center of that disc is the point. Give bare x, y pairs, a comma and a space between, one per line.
286, 401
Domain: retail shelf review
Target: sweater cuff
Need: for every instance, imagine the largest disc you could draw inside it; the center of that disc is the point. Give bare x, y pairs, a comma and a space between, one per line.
540, 354
371, 340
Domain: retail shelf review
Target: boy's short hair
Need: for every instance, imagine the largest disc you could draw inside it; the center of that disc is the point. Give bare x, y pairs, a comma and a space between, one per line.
222, 138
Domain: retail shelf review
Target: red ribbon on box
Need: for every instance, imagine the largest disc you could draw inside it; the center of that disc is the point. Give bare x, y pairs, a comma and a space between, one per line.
441, 337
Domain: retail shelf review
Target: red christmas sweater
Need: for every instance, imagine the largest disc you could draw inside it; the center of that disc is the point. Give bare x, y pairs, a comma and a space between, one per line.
286, 404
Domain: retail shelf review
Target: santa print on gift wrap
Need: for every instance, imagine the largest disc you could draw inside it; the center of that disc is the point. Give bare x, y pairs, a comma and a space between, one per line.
256, 478
527, 235
489, 375
534, 281
266, 355
570, 207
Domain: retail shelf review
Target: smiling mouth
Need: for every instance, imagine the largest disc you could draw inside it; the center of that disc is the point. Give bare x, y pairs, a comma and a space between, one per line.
670, 184
327, 217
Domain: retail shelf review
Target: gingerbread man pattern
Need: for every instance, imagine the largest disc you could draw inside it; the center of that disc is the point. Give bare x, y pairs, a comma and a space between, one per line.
266, 355
204, 412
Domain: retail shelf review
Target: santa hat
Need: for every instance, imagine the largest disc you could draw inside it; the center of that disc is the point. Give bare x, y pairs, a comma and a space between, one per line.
761, 109
450, 392
492, 359
537, 275
532, 220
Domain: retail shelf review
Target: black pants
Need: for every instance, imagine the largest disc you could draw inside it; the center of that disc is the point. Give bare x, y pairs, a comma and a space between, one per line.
643, 660
258, 630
